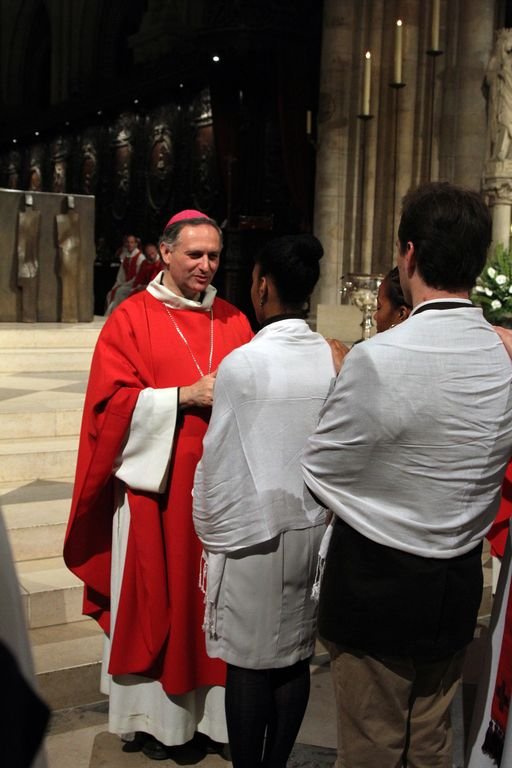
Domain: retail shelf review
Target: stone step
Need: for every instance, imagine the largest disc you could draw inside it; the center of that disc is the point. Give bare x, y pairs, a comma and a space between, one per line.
41, 414
46, 359
35, 515
50, 335
37, 458
67, 661
50, 593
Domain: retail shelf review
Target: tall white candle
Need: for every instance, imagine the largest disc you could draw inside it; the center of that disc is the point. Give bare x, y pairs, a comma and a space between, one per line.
366, 83
435, 25
397, 72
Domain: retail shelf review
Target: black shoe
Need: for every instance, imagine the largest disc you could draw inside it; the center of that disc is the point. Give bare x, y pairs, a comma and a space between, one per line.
154, 749
136, 744
210, 746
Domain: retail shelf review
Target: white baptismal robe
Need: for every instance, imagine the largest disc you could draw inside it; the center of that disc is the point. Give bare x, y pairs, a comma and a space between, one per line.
13, 631
412, 443
248, 485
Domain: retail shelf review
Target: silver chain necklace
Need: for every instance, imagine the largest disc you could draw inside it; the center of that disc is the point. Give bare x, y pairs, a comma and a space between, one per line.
180, 333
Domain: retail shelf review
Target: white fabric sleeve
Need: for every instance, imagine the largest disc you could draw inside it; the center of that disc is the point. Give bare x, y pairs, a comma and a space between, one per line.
351, 423
144, 461
223, 485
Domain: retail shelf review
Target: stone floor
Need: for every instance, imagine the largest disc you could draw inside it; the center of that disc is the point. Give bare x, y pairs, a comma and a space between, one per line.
79, 738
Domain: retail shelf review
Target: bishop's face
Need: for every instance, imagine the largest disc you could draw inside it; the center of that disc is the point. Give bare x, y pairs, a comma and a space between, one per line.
192, 261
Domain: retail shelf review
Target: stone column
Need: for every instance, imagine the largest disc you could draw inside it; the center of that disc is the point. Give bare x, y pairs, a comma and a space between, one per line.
497, 177
497, 185
463, 133
332, 133
501, 221
451, 134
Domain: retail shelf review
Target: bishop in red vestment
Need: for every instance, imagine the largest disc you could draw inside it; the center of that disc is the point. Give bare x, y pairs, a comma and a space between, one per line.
130, 536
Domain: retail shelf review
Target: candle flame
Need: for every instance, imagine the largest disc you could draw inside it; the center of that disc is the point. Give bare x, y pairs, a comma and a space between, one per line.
399, 23
368, 55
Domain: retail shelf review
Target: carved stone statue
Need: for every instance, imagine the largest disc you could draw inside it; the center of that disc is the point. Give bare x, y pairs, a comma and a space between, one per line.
29, 225
160, 161
122, 145
204, 171
59, 158
13, 170
36, 168
88, 173
498, 79
68, 235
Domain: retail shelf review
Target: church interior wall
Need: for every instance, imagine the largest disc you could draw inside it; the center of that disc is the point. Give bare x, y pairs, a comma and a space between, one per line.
131, 108
100, 76
432, 128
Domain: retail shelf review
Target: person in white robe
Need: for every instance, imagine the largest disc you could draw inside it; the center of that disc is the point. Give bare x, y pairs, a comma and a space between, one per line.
260, 534
477, 753
409, 455
25, 715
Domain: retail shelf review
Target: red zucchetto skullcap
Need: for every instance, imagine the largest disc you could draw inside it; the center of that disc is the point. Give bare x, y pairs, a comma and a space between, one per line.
188, 214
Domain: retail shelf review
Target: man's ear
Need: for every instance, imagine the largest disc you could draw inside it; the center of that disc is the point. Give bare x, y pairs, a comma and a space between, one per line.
165, 253
263, 289
410, 259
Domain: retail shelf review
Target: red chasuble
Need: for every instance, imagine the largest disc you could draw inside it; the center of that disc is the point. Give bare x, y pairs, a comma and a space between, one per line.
158, 627
498, 533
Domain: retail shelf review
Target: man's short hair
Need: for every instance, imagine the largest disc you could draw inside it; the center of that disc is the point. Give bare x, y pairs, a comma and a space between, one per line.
171, 233
451, 230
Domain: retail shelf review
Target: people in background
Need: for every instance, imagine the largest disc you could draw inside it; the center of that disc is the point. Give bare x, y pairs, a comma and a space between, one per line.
392, 306
148, 269
130, 258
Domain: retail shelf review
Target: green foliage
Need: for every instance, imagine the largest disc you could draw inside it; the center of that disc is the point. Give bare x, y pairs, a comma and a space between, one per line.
493, 289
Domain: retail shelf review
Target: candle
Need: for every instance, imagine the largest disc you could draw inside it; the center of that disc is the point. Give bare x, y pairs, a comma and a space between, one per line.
435, 26
366, 83
308, 122
397, 77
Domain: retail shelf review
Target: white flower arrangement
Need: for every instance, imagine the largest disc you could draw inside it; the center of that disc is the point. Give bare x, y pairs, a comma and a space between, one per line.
493, 289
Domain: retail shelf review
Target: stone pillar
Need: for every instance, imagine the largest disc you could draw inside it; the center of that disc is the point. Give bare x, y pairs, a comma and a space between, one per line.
497, 185
463, 133
440, 121
501, 223
497, 177
332, 133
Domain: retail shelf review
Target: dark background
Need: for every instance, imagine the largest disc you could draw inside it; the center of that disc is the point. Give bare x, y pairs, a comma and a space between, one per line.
159, 126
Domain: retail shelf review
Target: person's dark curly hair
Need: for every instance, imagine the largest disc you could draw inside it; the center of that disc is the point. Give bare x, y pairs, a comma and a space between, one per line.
451, 230
394, 289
